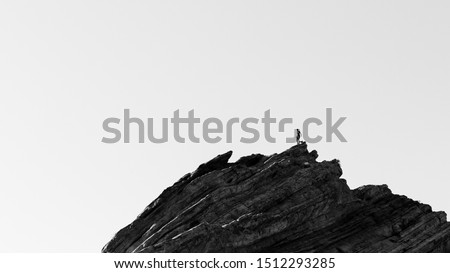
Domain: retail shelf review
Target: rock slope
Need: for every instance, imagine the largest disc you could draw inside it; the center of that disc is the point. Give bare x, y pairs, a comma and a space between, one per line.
286, 202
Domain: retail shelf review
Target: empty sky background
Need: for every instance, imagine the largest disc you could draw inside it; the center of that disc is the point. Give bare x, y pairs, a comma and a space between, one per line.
65, 66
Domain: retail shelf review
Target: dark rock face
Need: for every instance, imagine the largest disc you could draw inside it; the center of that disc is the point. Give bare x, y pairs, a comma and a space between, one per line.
286, 202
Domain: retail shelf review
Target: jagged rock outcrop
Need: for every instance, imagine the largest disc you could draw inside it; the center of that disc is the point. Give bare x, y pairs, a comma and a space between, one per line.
286, 202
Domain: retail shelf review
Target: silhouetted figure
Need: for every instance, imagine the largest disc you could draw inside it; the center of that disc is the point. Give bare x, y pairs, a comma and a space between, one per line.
298, 136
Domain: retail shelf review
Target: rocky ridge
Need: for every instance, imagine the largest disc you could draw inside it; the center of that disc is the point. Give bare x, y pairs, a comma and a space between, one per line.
285, 202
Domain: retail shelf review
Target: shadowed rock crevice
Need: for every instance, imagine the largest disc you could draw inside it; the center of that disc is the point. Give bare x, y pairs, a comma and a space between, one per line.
285, 202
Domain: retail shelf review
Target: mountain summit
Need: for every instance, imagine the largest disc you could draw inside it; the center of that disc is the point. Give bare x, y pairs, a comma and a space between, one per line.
285, 202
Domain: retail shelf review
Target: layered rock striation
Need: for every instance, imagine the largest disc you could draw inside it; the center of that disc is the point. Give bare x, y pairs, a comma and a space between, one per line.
286, 202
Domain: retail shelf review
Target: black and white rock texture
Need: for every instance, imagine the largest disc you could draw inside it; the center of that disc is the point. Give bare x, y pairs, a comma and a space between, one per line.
286, 202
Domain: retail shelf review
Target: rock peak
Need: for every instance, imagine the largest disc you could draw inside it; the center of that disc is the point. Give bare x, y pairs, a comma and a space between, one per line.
285, 202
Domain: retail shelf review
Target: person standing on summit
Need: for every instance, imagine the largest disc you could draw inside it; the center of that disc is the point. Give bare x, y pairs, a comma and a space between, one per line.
298, 136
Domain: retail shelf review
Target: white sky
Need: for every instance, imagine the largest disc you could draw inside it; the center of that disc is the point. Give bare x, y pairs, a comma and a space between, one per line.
65, 67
